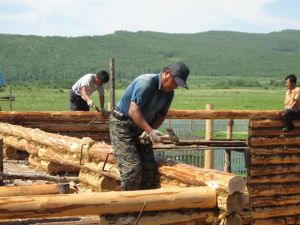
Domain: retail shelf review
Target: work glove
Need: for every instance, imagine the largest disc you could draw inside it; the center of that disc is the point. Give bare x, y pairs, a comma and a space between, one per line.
89, 102
155, 136
103, 110
145, 138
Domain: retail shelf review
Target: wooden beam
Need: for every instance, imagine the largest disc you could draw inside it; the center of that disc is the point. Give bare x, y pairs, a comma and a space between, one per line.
106, 203
17, 117
40, 189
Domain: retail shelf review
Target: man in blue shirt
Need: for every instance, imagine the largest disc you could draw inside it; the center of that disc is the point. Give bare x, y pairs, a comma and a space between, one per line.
134, 123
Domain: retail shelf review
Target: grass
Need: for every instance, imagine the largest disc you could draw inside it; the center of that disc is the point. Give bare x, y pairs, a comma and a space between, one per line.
42, 99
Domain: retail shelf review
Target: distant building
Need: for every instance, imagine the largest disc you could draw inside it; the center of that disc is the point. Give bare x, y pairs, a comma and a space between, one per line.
2, 81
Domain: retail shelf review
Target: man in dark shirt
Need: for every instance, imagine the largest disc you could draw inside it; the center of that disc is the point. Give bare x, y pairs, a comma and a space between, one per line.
140, 112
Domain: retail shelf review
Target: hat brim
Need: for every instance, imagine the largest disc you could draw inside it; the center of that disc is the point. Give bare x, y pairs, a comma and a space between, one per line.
180, 83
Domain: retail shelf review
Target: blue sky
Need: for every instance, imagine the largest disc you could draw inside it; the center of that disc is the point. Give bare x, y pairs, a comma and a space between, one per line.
100, 17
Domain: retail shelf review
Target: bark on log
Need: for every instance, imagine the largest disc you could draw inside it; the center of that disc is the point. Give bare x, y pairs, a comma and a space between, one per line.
270, 123
160, 218
21, 144
273, 189
275, 159
42, 189
275, 221
268, 141
281, 178
278, 211
100, 151
67, 126
109, 170
273, 132
91, 220
106, 203
48, 139
37, 176
98, 182
19, 117
96, 136
261, 170
51, 167
270, 201
276, 150
192, 175
224, 114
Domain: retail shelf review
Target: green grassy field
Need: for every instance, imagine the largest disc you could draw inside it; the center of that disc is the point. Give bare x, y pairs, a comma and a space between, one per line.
40, 99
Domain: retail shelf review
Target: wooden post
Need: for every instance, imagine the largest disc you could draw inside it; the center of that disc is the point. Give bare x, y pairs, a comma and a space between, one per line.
227, 164
209, 154
1, 159
112, 83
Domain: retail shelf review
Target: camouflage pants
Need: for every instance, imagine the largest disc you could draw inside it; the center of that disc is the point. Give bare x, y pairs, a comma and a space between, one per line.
136, 161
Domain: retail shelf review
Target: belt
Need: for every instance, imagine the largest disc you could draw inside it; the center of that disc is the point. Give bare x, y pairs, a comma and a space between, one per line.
119, 115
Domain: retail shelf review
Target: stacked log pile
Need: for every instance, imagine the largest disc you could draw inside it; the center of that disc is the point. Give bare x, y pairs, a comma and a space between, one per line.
96, 164
274, 172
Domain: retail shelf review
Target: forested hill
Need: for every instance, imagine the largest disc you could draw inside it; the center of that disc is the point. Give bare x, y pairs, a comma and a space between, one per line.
60, 61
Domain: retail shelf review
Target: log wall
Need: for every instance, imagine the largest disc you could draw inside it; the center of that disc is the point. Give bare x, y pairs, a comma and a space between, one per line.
274, 172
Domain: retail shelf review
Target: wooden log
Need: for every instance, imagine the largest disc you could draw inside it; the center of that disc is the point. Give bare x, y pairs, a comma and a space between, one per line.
48, 139
67, 126
19, 117
274, 141
37, 176
98, 182
96, 136
280, 178
91, 220
276, 211
269, 123
161, 218
269, 132
192, 175
21, 144
275, 159
106, 203
273, 221
261, 170
108, 169
51, 167
42, 189
273, 189
235, 202
224, 114
112, 83
101, 151
275, 150
227, 156
269, 201
293, 220
65, 159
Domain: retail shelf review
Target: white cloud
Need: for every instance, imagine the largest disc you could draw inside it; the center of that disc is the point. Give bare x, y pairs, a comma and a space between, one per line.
97, 17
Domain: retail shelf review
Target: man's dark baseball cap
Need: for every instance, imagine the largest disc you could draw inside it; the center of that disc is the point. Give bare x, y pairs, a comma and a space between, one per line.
181, 72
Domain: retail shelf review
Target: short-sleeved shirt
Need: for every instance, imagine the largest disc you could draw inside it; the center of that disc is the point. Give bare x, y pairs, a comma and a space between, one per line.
87, 81
146, 91
291, 96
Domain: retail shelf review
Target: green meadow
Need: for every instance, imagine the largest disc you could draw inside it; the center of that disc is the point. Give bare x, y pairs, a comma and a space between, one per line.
46, 99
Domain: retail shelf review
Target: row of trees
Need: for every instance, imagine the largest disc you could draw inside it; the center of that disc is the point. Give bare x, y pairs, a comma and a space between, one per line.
60, 61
